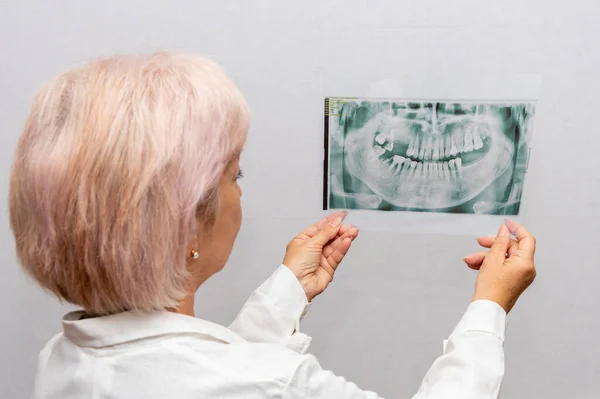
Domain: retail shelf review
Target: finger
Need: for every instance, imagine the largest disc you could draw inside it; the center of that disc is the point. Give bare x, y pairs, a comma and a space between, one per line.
525, 240
474, 261
344, 229
512, 248
351, 232
310, 232
343, 232
335, 258
487, 241
497, 253
328, 233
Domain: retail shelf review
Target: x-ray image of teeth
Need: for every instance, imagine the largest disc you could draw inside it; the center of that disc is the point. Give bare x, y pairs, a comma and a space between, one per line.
426, 156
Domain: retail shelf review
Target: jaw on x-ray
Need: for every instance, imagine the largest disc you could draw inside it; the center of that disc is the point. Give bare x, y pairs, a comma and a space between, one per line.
427, 156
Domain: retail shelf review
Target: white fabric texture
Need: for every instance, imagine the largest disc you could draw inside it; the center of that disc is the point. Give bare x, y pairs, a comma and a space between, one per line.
261, 355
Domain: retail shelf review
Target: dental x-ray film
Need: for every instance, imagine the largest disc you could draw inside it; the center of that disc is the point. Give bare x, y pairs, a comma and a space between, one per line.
465, 157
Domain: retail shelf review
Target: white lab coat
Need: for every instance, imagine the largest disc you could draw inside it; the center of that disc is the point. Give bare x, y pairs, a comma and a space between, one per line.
261, 355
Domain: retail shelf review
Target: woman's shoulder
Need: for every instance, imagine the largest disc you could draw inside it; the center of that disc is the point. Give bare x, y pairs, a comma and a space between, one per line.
192, 362
259, 360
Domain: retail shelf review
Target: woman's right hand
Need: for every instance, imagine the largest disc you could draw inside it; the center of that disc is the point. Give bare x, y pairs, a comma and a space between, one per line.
314, 255
507, 269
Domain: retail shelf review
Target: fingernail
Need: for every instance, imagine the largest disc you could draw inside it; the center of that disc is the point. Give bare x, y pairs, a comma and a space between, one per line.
503, 230
512, 227
336, 222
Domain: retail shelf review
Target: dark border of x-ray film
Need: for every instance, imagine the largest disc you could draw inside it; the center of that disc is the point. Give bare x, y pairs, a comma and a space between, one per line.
326, 157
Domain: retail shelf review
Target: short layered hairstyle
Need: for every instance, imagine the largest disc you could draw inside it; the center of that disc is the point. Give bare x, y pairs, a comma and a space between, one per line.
117, 160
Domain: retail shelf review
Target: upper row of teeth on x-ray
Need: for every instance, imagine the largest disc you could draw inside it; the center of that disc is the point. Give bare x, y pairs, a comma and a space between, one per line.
435, 148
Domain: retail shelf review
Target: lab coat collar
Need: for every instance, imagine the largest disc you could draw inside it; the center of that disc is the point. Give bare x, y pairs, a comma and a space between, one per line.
98, 332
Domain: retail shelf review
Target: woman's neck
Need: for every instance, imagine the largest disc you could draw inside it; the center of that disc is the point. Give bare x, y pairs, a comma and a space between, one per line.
186, 306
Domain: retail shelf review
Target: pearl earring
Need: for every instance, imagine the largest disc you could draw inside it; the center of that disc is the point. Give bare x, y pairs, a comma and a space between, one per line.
194, 254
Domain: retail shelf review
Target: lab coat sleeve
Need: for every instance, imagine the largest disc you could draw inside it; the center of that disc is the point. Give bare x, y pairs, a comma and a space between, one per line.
273, 312
471, 366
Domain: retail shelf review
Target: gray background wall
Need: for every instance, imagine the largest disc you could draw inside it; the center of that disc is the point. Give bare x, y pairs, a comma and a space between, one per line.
382, 322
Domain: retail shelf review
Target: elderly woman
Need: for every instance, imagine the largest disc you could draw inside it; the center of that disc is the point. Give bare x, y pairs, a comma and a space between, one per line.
124, 200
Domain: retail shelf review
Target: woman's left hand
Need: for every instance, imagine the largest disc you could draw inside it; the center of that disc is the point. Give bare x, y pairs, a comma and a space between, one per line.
314, 254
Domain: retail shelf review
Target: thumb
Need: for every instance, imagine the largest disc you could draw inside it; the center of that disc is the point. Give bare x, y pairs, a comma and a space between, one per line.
500, 246
327, 233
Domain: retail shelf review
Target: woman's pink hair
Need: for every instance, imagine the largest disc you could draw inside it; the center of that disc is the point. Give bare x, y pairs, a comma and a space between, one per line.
116, 159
